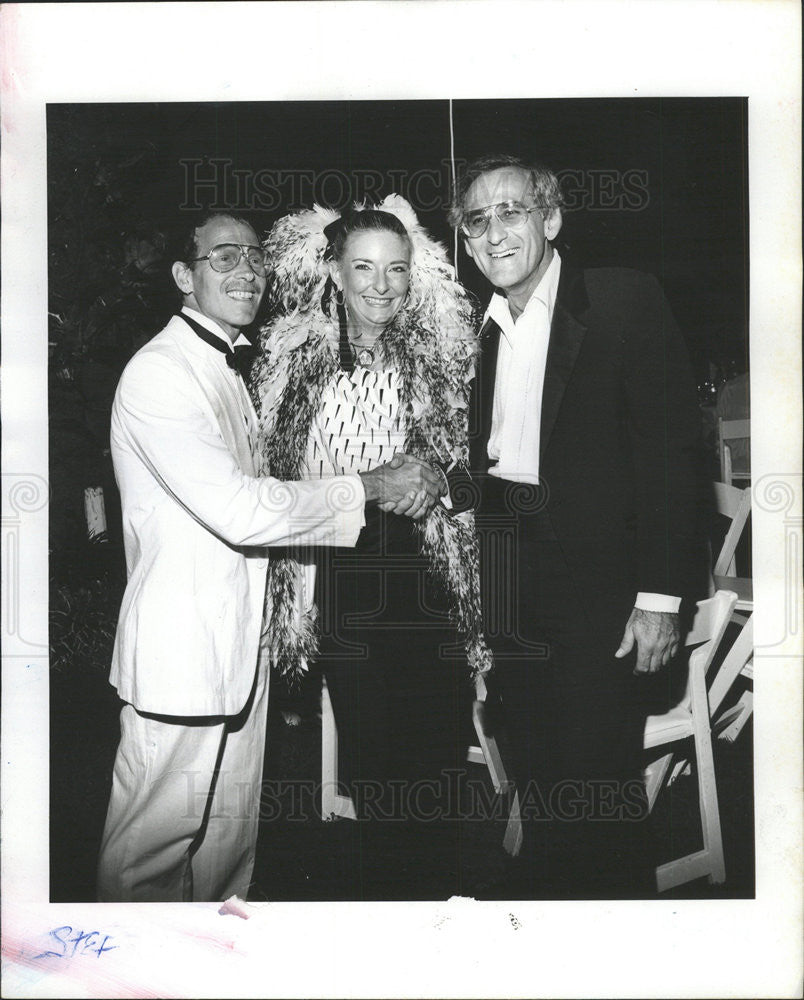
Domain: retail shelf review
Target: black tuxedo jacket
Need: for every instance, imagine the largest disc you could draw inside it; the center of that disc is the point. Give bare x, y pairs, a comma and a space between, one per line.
619, 432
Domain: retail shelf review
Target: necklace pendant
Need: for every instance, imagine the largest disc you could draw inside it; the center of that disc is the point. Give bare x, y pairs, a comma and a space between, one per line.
365, 357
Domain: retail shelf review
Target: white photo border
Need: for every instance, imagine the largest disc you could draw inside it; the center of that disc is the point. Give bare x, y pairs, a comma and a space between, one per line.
137, 52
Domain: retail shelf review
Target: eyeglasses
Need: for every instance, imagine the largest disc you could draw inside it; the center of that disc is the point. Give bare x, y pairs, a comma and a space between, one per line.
511, 214
226, 256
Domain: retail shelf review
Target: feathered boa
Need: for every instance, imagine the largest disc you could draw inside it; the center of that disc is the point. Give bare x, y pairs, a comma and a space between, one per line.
431, 343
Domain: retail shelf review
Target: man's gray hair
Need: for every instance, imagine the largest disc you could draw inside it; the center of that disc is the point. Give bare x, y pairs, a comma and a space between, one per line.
546, 189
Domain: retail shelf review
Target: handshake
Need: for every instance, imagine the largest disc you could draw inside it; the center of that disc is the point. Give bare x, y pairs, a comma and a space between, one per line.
405, 485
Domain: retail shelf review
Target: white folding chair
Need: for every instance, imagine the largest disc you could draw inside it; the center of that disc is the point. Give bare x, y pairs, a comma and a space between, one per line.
690, 719
736, 505
488, 753
733, 430
335, 804
728, 723
738, 662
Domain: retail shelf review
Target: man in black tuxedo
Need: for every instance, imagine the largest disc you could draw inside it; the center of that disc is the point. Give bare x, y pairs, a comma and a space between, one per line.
584, 429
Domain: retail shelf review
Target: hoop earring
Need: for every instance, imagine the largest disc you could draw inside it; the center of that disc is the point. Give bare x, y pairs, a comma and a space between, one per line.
339, 299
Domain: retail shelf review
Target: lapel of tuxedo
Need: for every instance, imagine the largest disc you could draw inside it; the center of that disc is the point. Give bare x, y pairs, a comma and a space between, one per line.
482, 405
566, 336
225, 391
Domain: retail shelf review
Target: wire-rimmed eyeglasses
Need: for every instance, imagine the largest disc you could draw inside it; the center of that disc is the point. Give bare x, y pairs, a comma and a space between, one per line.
226, 256
511, 214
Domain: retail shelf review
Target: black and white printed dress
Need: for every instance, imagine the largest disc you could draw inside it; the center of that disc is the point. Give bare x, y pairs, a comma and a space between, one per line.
396, 672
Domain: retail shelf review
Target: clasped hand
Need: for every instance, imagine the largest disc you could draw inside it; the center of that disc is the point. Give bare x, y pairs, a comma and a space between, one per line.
405, 485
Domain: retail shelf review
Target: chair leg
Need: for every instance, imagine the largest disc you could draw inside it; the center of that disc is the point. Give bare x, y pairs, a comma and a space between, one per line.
332, 802
707, 785
681, 768
735, 719
490, 751
329, 755
654, 777
733, 665
512, 841
727, 466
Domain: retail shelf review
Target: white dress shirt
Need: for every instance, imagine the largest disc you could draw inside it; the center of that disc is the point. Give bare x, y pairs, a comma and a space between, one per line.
212, 326
515, 436
521, 363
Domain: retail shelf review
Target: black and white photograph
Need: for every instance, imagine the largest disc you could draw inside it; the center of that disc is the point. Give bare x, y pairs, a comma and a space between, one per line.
415, 652
400, 513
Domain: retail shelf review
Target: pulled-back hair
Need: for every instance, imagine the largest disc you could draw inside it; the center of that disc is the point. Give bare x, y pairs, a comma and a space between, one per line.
546, 189
367, 220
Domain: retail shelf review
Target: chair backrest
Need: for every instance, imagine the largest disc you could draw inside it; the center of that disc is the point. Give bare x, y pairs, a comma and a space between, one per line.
707, 629
706, 632
735, 504
731, 666
711, 618
733, 430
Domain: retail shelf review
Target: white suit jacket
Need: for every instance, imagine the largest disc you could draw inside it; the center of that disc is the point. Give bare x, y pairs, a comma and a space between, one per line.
194, 517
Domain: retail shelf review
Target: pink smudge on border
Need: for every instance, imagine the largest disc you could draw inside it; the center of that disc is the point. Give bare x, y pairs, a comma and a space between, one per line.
9, 47
236, 907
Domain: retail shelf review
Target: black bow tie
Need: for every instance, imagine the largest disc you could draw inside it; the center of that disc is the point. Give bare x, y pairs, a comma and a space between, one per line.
213, 341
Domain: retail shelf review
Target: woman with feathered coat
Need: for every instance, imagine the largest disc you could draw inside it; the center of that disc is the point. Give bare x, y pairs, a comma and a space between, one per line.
369, 355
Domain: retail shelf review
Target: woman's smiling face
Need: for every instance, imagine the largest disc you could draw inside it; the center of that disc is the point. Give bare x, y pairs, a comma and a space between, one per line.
374, 273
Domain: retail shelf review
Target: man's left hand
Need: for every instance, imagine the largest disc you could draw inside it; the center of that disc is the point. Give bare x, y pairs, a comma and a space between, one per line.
657, 636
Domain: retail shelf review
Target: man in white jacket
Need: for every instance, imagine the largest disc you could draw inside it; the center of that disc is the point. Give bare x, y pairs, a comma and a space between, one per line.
183, 817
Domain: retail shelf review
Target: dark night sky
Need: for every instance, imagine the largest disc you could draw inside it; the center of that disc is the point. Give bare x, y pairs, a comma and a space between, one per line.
658, 184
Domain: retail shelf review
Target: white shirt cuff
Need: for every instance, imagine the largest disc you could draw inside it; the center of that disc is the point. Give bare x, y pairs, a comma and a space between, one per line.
362, 490
657, 602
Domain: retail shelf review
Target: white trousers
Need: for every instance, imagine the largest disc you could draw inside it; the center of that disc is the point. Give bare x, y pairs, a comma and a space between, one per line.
184, 811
